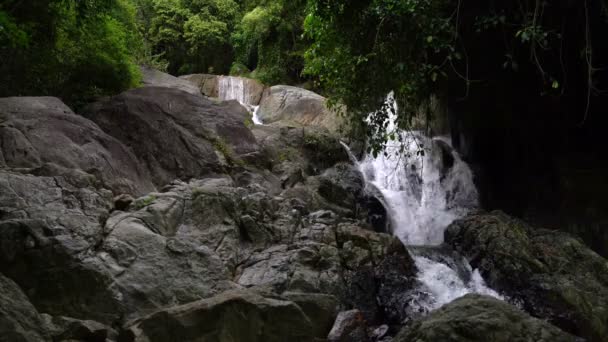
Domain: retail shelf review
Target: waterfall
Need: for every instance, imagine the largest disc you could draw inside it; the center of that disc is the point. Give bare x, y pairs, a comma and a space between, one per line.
426, 186
235, 88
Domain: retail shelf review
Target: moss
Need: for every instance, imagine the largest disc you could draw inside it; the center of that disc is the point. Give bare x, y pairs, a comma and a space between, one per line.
220, 145
144, 201
248, 123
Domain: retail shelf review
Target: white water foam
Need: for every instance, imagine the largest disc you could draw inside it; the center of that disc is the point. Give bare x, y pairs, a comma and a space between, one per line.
426, 186
235, 88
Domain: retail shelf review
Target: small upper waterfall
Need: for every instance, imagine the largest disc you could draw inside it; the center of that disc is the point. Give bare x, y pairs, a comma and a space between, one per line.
235, 88
426, 186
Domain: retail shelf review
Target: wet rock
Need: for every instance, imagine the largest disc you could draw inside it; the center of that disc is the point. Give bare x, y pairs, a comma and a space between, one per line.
551, 274
342, 185
174, 134
239, 316
296, 105
154, 78
481, 318
19, 320
44, 136
349, 326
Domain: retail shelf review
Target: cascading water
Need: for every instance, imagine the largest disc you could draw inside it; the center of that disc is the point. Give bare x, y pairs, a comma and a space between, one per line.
234, 88
426, 186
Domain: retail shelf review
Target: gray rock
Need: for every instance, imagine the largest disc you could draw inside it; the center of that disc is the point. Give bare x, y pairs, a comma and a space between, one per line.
320, 308
37, 131
48, 227
154, 78
480, 318
237, 316
19, 320
175, 134
208, 84
297, 106
550, 273
69, 329
251, 90
349, 326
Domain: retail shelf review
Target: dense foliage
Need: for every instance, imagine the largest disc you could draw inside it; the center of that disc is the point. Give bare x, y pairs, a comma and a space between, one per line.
355, 51
268, 40
396, 46
72, 49
418, 47
189, 35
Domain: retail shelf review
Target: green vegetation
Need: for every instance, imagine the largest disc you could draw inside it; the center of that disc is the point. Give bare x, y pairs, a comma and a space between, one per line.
72, 49
268, 40
145, 201
354, 52
363, 50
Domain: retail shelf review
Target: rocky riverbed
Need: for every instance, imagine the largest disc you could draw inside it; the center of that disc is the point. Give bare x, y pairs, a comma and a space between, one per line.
163, 215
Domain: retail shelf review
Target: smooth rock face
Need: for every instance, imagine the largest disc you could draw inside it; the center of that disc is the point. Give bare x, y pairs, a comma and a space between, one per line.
231, 316
43, 135
553, 275
296, 105
155, 78
208, 84
480, 318
246, 90
19, 320
174, 134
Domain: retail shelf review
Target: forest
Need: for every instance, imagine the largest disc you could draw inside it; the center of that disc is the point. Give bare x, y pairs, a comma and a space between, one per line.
352, 52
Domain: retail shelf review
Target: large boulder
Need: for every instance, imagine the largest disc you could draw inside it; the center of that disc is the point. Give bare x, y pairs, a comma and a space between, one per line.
245, 90
154, 78
19, 320
296, 105
236, 316
480, 318
48, 228
176, 134
207, 83
43, 135
551, 274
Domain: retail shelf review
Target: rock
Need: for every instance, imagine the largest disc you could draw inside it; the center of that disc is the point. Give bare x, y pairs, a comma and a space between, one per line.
349, 326
19, 320
154, 78
299, 151
380, 274
69, 329
553, 275
238, 316
246, 90
296, 105
480, 318
342, 185
48, 227
208, 84
44, 136
320, 308
175, 134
